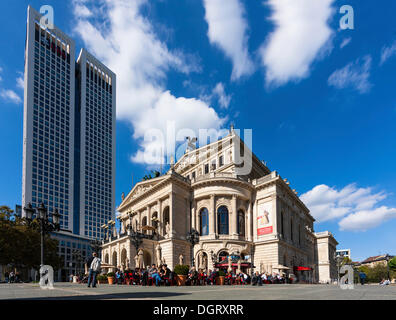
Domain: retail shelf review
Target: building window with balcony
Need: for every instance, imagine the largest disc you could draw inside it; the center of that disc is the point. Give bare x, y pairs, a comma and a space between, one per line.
204, 222
222, 220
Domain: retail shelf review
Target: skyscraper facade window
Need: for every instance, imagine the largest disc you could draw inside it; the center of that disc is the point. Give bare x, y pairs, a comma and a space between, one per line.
69, 131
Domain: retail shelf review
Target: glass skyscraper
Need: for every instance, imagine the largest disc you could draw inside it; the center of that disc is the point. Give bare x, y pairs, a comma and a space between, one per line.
69, 131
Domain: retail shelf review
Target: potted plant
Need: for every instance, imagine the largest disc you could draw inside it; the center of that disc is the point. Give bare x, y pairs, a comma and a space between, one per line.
220, 278
181, 272
102, 278
111, 277
127, 279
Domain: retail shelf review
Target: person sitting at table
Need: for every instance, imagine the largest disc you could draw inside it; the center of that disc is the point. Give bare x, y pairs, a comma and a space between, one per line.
228, 278
211, 278
166, 275
192, 277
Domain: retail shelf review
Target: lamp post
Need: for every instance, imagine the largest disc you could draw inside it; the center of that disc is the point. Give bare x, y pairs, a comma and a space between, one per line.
136, 238
251, 262
193, 238
77, 256
46, 224
96, 246
338, 260
387, 264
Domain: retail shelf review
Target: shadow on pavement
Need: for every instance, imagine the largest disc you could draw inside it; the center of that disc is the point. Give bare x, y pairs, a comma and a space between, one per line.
126, 295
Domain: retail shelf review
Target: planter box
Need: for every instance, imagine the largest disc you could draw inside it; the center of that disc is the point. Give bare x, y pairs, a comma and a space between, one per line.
220, 280
110, 280
181, 280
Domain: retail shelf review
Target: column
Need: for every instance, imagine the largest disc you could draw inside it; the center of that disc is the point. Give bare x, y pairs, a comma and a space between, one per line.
212, 216
160, 227
249, 221
149, 222
193, 217
140, 220
189, 214
233, 216
171, 213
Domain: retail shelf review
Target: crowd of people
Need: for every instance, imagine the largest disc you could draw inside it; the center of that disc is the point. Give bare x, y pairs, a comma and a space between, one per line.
162, 275
146, 276
12, 277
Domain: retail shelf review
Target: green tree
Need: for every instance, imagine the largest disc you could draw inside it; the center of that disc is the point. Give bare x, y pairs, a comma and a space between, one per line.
20, 243
153, 174
392, 264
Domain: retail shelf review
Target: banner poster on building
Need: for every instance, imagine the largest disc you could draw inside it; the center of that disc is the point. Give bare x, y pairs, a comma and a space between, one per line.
264, 218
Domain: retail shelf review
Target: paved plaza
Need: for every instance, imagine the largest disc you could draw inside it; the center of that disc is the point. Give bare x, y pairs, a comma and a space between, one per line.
70, 291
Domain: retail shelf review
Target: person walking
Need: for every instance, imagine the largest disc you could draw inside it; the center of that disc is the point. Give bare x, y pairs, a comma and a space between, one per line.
94, 267
362, 277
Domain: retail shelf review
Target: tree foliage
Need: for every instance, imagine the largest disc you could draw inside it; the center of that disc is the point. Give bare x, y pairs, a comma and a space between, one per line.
153, 174
392, 264
20, 243
377, 273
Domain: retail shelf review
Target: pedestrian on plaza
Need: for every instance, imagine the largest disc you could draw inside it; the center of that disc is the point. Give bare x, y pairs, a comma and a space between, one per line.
6, 277
362, 277
94, 268
12, 277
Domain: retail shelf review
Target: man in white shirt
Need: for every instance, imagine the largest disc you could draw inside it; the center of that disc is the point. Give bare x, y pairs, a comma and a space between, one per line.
94, 269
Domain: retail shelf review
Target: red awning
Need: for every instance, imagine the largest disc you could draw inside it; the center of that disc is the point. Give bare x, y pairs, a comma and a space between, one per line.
302, 268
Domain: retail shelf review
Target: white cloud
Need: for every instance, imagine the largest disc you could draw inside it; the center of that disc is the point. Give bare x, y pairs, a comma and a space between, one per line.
354, 75
228, 30
127, 43
10, 95
223, 99
345, 42
388, 52
20, 82
217, 94
367, 219
355, 209
301, 35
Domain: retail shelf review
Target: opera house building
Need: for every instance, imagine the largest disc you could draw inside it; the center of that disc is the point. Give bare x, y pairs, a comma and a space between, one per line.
247, 217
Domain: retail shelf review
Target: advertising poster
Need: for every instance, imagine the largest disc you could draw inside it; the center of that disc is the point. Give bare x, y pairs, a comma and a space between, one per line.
264, 219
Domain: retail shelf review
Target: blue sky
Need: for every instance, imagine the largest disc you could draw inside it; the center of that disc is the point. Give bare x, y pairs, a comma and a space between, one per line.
320, 100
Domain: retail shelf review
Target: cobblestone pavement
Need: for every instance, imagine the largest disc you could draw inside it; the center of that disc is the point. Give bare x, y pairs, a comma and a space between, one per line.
68, 291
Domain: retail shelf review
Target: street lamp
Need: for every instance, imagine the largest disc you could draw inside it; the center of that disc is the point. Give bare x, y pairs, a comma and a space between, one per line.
251, 262
193, 238
338, 259
46, 224
96, 246
77, 256
387, 264
136, 238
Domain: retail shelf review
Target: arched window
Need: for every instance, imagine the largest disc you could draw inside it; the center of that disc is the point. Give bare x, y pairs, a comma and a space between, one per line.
154, 219
222, 220
166, 219
204, 222
241, 223
144, 223
223, 255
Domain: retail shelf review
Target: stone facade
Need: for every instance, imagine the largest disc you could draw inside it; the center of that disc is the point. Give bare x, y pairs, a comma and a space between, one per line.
254, 218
